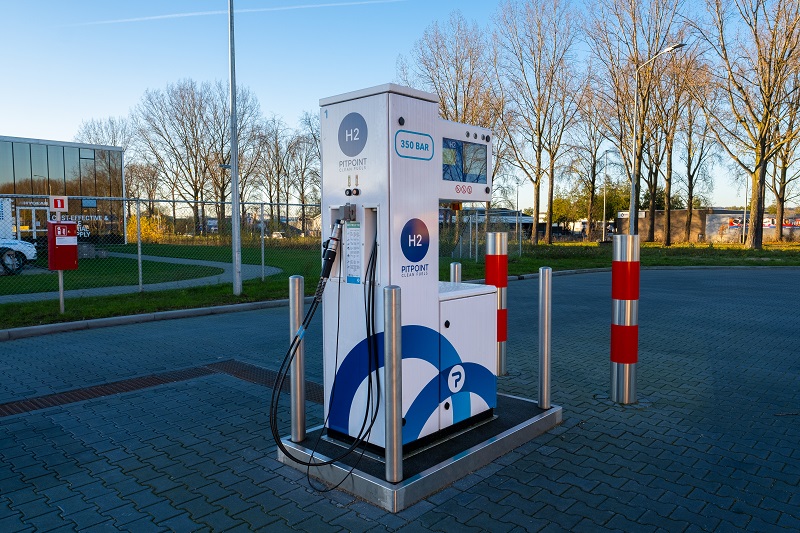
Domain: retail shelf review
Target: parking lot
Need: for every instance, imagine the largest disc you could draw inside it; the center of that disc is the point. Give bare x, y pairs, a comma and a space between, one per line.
162, 426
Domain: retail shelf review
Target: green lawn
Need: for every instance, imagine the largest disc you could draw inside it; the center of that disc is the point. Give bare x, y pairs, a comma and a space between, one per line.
106, 272
304, 259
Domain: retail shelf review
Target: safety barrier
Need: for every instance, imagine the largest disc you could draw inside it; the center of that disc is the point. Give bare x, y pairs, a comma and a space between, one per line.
624, 318
497, 275
297, 379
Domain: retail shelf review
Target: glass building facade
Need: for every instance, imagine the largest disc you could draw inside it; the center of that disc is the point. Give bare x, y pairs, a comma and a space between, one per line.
90, 175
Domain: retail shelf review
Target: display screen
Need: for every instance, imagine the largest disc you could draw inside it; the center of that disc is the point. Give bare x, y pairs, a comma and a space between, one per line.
463, 161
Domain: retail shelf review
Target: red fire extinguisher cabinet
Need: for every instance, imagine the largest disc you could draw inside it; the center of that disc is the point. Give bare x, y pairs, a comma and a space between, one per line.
62, 245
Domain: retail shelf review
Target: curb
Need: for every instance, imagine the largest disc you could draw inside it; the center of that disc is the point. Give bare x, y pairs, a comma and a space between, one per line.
61, 327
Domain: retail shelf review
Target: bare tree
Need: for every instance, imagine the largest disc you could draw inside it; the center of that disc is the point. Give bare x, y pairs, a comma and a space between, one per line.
586, 142
112, 131
146, 178
539, 90
248, 115
698, 148
671, 99
275, 138
625, 36
304, 165
452, 61
785, 172
755, 44
172, 130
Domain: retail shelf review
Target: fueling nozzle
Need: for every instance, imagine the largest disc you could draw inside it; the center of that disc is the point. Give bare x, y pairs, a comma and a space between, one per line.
328, 257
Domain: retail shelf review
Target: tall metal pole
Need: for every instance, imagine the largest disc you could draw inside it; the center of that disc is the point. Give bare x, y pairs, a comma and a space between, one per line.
298, 379
393, 377
236, 236
632, 211
605, 184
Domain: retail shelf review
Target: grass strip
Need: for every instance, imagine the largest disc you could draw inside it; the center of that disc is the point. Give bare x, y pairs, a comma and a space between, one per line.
305, 261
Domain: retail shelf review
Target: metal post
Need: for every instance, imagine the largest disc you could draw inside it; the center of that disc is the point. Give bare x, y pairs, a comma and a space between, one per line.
139, 241
455, 272
545, 322
624, 318
263, 268
236, 235
393, 377
298, 379
497, 275
470, 237
61, 291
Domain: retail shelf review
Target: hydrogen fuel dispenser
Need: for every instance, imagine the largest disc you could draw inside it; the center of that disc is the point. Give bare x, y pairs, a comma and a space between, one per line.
388, 161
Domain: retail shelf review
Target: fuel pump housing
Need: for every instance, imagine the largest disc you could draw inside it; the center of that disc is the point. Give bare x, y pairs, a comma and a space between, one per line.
388, 161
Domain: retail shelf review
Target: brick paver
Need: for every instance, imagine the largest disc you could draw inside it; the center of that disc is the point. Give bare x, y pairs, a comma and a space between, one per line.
712, 445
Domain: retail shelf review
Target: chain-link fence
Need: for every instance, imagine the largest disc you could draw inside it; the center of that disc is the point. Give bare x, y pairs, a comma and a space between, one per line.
132, 245
136, 245
462, 233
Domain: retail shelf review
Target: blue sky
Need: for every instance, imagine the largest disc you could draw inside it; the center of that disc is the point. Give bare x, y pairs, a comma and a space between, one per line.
64, 62
73, 61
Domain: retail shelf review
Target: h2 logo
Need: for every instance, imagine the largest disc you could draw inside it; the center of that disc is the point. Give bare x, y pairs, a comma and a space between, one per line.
352, 134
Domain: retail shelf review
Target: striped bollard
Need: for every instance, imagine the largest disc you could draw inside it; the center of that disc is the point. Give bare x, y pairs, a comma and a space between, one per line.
497, 275
624, 318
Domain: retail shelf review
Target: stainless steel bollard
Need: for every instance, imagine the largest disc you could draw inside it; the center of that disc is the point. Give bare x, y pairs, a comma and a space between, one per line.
455, 272
624, 318
298, 370
393, 379
545, 324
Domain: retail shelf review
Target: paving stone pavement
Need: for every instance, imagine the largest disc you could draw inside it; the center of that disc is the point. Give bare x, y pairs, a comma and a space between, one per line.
713, 444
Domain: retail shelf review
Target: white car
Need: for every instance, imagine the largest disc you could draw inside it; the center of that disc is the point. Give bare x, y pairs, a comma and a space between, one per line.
14, 254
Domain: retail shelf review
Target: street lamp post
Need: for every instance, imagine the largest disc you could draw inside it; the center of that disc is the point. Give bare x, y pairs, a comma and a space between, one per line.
236, 236
633, 213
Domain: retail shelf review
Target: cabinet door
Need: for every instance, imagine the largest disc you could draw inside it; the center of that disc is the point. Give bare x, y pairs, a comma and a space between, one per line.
467, 357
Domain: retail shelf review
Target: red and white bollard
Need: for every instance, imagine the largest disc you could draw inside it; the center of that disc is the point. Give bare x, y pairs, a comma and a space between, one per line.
624, 318
497, 275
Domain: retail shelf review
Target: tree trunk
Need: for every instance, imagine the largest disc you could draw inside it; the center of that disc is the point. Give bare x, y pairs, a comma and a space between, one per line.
755, 238
535, 229
548, 230
667, 197
779, 219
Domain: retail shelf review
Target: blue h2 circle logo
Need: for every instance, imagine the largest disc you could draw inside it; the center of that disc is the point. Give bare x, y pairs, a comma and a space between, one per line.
352, 134
415, 240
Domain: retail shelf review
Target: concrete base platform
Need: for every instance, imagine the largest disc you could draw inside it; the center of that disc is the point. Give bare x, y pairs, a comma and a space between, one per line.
431, 468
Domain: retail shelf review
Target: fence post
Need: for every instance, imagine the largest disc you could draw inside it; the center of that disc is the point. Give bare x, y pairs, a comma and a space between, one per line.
455, 272
393, 377
262, 243
497, 275
298, 378
139, 241
545, 323
624, 318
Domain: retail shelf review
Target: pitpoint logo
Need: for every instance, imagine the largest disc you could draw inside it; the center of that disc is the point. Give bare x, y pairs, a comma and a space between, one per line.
414, 240
352, 134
